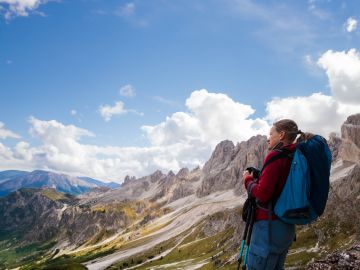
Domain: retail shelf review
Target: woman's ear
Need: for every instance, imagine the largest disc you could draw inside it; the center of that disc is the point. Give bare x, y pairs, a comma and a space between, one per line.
282, 135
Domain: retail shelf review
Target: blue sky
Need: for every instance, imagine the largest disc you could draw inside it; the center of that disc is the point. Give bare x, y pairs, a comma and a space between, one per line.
63, 63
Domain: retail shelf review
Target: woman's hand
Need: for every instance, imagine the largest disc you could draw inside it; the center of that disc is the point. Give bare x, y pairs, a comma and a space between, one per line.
246, 173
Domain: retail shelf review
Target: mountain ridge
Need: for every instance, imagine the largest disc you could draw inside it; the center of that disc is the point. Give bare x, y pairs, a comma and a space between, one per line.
13, 180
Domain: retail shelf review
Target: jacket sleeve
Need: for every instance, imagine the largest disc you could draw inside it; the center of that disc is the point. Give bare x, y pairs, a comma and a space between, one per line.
265, 188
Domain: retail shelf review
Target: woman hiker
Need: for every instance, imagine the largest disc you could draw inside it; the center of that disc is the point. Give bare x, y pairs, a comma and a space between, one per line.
271, 237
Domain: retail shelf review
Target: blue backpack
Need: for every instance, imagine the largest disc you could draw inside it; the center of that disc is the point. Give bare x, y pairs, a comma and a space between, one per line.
303, 198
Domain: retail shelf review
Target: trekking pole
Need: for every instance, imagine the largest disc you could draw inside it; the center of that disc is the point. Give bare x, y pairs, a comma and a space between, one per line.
244, 237
251, 221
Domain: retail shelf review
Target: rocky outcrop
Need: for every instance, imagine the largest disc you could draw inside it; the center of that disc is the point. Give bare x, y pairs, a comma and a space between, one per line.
350, 130
80, 224
350, 135
33, 214
347, 260
334, 143
224, 169
220, 158
36, 215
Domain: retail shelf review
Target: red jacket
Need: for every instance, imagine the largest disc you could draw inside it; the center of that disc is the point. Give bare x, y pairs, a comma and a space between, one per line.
271, 182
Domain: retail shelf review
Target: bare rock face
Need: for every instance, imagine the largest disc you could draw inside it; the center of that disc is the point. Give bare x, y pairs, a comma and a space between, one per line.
224, 169
334, 143
183, 173
350, 135
156, 176
173, 187
33, 213
350, 130
343, 203
180, 191
220, 158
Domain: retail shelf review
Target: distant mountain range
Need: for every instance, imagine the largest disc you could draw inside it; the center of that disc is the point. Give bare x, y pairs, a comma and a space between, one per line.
13, 180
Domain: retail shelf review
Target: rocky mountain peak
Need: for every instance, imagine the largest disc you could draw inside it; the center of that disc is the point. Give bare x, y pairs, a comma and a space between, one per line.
128, 179
171, 174
221, 172
157, 175
183, 173
222, 154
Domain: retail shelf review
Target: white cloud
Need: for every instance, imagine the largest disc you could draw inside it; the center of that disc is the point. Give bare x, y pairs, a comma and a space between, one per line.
310, 113
73, 112
184, 139
212, 117
107, 111
127, 91
343, 71
15, 8
5, 133
61, 150
351, 24
319, 113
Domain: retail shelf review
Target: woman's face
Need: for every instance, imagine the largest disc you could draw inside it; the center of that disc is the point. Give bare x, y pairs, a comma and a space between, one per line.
274, 137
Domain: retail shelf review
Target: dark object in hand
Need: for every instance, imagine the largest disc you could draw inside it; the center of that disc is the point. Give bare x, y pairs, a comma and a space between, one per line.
255, 172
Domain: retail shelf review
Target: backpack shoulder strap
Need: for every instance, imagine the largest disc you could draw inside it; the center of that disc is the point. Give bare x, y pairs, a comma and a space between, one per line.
283, 153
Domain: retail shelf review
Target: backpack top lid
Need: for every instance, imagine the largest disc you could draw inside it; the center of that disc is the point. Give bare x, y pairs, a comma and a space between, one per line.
318, 156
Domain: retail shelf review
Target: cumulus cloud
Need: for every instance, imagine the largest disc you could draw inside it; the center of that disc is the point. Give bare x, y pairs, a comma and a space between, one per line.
107, 111
13, 8
311, 113
343, 71
351, 24
127, 91
5, 133
61, 150
321, 113
211, 117
185, 139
